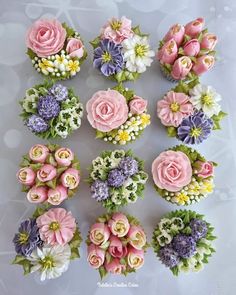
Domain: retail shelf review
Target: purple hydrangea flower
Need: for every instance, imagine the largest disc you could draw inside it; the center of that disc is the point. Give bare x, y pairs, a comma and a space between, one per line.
116, 178
129, 166
99, 190
184, 245
48, 107
37, 124
199, 229
59, 92
108, 57
28, 238
195, 128
169, 256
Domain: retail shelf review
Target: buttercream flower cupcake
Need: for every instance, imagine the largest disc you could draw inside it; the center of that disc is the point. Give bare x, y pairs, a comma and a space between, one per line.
182, 241
117, 178
190, 111
49, 174
183, 176
187, 51
51, 110
47, 242
118, 115
116, 244
121, 52
55, 49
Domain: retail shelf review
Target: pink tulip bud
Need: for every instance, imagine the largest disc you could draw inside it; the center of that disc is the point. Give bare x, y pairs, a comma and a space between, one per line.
26, 176
181, 67
168, 53
193, 28
209, 41
137, 237
135, 258
115, 267
99, 233
70, 178
176, 32
37, 194
58, 195
46, 173
38, 153
64, 156
116, 248
119, 224
192, 47
203, 64
96, 256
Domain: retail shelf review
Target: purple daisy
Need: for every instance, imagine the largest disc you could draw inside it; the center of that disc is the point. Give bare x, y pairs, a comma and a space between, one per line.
48, 107
59, 92
99, 190
169, 256
129, 166
37, 124
116, 178
184, 245
199, 228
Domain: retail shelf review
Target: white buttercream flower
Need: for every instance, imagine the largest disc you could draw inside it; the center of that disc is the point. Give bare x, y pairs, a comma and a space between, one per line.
60, 62
61, 129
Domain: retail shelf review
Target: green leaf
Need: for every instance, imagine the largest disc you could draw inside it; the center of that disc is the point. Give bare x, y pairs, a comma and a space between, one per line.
137, 31
18, 259
24, 188
36, 167
216, 120
175, 270
30, 53
52, 183
69, 31
100, 134
74, 253
60, 170
171, 131
95, 42
102, 272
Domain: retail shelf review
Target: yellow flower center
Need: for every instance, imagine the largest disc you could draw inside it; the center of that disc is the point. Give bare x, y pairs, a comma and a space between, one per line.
23, 238
70, 180
175, 107
54, 226
115, 25
208, 61
140, 50
207, 100
120, 227
23, 175
170, 47
195, 132
208, 186
64, 154
47, 262
37, 151
106, 57
176, 29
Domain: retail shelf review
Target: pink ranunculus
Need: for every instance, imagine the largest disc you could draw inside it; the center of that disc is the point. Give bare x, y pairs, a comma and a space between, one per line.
209, 41
46, 173
56, 226
58, 195
193, 28
173, 108
46, 37
181, 67
135, 258
26, 176
119, 224
107, 110
168, 52
64, 156
176, 32
192, 47
203, 64
137, 237
38, 153
37, 194
117, 248
99, 233
117, 30
96, 256
138, 105
172, 170
70, 178
115, 267
204, 169
75, 47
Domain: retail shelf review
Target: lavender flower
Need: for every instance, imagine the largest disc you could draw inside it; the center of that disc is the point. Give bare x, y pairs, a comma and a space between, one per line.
199, 229
195, 128
59, 92
184, 245
169, 256
99, 190
27, 239
129, 166
116, 178
108, 57
48, 107
37, 124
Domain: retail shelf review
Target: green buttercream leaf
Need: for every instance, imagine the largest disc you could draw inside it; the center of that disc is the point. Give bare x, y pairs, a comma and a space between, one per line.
216, 120
102, 272
171, 131
30, 53
95, 42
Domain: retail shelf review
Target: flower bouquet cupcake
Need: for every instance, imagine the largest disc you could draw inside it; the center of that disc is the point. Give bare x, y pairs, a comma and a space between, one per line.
121, 51
182, 241
190, 111
51, 110
47, 242
187, 51
117, 178
49, 174
116, 244
118, 115
183, 176
55, 49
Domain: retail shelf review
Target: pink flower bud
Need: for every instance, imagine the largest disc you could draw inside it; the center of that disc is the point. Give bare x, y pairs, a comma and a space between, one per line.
204, 169
96, 256
99, 233
64, 156
46, 173
192, 47
116, 248
75, 47
119, 224
70, 178
181, 67
137, 237
168, 52
137, 105
176, 32
193, 28
38, 153
58, 195
37, 194
115, 267
203, 64
26, 176
135, 258
209, 41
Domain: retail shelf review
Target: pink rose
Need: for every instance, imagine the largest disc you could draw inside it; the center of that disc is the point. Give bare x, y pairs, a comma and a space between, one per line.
209, 41
37, 194
115, 267
26, 176
107, 110
119, 224
70, 178
137, 237
75, 47
99, 233
138, 105
195, 27
116, 248
46, 37
46, 173
176, 32
38, 153
58, 195
64, 156
96, 256
135, 258
181, 67
171, 170
168, 52
204, 169
192, 47
203, 64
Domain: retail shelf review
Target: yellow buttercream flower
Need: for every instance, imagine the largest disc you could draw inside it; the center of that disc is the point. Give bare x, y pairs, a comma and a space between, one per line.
194, 188
73, 67
61, 62
181, 198
123, 136
207, 187
46, 66
145, 120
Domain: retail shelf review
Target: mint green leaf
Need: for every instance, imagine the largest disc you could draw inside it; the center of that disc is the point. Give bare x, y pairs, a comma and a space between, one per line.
52, 183
216, 120
100, 134
102, 272
95, 42
30, 53
171, 131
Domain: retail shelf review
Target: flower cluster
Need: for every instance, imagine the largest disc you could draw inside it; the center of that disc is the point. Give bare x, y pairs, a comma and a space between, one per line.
121, 51
49, 174
187, 51
47, 242
182, 176
190, 111
116, 244
51, 110
117, 178
182, 241
118, 115
55, 49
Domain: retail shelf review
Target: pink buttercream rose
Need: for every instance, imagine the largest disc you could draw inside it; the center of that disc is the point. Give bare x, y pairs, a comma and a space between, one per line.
58, 195
37, 194
46, 37
116, 247
99, 233
137, 105
96, 256
209, 41
171, 170
107, 110
181, 67
46, 173
192, 47
137, 237
115, 267
135, 258
193, 28
203, 64
70, 178
204, 169
119, 224
176, 32
75, 47
168, 52
173, 108
26, 176
38, 153
64, 156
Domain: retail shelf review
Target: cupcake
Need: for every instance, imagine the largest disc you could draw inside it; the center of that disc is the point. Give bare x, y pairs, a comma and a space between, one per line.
121, 52
55, 49
116, 244
187, 52
47, 242
183, 176
182, 241
116, 179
